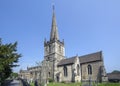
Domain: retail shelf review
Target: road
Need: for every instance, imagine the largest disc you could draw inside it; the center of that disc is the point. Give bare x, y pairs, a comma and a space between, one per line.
14, 83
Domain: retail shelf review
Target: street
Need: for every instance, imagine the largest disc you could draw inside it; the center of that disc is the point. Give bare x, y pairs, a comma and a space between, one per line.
14, 83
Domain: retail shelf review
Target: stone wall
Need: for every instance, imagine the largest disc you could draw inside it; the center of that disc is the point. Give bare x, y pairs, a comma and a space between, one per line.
67, 78
95, 71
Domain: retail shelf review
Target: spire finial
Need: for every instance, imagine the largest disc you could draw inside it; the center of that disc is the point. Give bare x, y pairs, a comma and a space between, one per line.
54, 30
53, 4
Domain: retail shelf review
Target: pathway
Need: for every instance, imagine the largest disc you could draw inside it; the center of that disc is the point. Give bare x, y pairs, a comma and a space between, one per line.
14, 83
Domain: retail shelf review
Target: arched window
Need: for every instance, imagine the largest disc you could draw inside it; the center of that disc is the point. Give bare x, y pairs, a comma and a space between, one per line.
60, 48
49, 74
50, 49
47, 49
65, 71
78, 69
89, 69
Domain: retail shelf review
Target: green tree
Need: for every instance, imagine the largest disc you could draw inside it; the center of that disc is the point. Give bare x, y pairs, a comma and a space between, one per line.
8, 58
14, 75
115, 71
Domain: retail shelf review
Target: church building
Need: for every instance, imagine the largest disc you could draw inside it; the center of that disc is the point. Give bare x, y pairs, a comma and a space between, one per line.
57, 67
72, 69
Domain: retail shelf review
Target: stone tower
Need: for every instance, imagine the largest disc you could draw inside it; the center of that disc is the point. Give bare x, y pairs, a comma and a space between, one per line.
53, 49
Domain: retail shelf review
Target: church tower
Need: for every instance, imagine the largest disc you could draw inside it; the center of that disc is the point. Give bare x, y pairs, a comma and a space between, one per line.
53, 49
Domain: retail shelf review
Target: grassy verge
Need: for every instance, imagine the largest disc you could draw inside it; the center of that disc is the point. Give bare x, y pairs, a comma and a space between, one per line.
109, 84
31, 84
79, 84
64, 84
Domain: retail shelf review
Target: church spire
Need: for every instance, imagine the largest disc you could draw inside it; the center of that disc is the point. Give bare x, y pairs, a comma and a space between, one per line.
54, 30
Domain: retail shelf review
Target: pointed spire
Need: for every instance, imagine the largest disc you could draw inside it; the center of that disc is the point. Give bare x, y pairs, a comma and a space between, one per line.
54, 30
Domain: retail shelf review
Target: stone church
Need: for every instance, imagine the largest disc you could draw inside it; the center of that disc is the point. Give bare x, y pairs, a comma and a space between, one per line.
72, 69
57, 67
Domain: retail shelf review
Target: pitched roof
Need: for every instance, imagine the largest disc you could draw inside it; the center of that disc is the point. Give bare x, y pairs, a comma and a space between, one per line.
91, 57
113, 76
35, 67
67, 61
24, 71
83, 59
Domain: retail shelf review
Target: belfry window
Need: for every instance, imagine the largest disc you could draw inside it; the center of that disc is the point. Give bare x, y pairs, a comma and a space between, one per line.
78, 69
49, 74
89, 69
60, 48
49, 48
65, 71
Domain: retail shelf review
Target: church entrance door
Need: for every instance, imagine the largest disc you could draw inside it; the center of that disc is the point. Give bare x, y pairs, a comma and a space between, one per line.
57, 78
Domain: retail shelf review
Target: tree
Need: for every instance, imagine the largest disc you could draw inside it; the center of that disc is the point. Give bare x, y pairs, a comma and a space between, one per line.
115, 71
14, 75
8, 58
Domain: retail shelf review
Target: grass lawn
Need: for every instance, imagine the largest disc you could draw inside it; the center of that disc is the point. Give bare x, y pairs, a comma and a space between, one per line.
109, 84
31, 84
79, 84
64, 84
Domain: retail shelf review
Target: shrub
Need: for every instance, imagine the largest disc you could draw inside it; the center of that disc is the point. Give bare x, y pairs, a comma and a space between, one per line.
50, 80
62, 81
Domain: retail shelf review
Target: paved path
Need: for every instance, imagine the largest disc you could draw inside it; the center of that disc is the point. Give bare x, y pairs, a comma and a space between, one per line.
14, 83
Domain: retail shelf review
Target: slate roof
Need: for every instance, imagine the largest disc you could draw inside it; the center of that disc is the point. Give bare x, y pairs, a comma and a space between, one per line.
67, 61
35, 67
24, 71
97, 56
91, 57
113, 76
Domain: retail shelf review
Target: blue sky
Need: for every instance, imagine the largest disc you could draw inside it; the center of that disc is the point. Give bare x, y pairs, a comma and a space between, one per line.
86, 26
